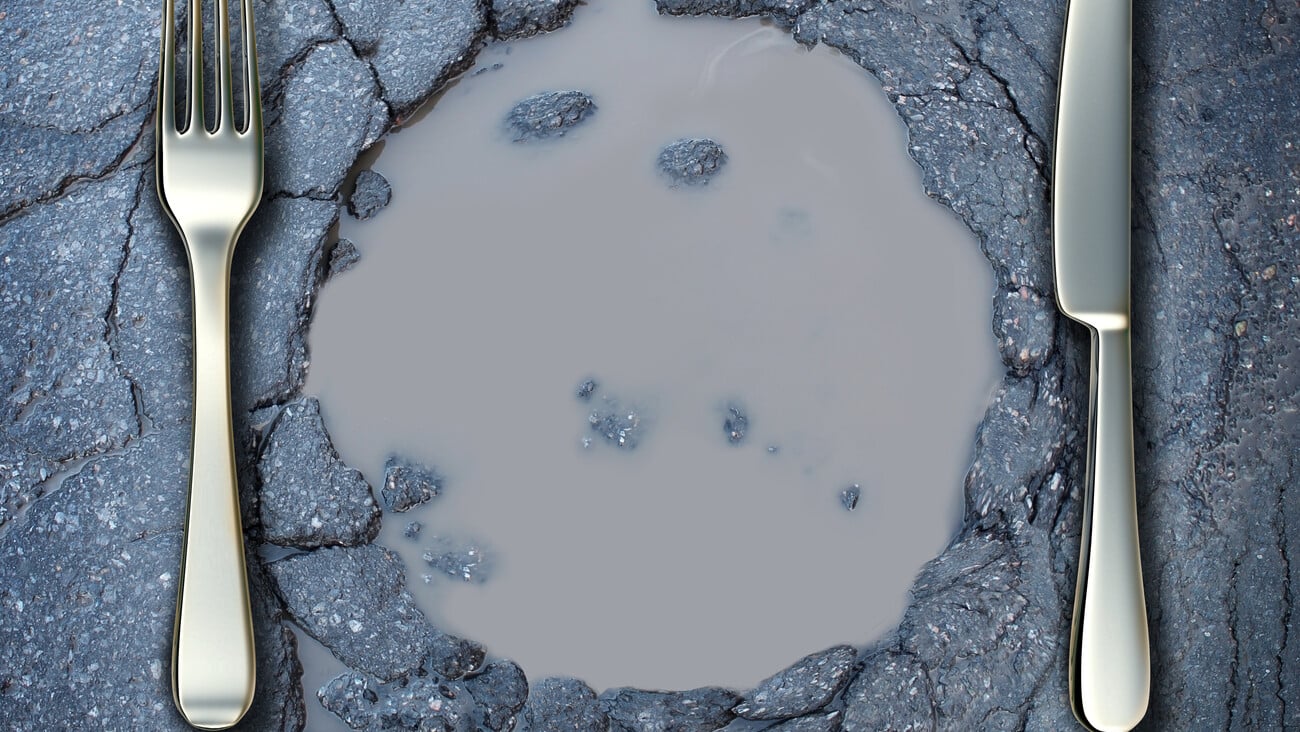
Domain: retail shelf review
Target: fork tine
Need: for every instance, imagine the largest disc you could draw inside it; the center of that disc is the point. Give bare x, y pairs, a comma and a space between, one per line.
225, 99
166, 109
194, 104
252, 88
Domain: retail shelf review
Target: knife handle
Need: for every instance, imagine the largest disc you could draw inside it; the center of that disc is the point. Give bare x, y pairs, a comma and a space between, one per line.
1110, 661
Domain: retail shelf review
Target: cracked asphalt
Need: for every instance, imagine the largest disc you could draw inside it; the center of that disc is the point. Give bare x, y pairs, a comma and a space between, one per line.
95, 369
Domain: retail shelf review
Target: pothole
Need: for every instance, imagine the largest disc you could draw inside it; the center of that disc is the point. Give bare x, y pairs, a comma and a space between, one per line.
810, 284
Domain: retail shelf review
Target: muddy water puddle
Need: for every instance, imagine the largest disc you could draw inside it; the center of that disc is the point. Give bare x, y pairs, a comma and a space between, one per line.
811, 285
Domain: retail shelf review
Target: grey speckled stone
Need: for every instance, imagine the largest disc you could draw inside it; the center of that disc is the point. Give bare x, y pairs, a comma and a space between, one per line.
66, 397
691, 161
549, 114
343, 257
513, 19
278, 267
322, 122
308, 497
87, 601
782, 11
419, 704
819, 722
354, 601
370, 194
564, 705
413, 46
408, 484
1024, 323
59, 122
697, 710
806, 686
499, 692
892, 692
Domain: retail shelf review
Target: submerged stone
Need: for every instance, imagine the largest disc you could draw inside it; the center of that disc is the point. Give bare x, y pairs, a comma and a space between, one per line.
549, 114
586, 389
849, 497
735, 425
468, 562
619, 426
692, 161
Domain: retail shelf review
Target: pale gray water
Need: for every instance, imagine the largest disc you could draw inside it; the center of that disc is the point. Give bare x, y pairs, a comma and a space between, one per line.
812, 281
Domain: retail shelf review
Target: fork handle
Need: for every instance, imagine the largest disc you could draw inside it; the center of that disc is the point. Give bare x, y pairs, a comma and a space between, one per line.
212, 651
1110, 664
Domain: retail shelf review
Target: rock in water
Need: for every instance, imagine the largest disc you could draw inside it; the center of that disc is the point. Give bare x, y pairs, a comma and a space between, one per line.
549, 115
409, 484
735, 425
692, 161
343, 257
499, 692
849, 497
370, 194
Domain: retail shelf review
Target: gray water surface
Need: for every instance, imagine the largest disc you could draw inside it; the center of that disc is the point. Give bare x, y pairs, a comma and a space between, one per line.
811, 282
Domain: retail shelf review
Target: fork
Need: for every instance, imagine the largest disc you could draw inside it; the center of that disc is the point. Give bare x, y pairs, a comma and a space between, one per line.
209, 183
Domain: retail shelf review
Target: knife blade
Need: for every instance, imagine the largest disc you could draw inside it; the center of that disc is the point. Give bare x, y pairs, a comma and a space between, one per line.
1110, 665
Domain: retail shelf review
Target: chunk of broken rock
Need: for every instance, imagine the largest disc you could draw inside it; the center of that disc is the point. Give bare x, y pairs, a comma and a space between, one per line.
698, 710
308, 497
564, 705
806, 686
409, 484
692, 161
549, 114
370, 194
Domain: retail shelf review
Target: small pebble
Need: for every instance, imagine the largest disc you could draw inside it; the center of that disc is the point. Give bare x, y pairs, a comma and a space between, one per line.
692, 161
586, 389
413, 530
467, 562
735, 425
621, 427
370, 194
343, 257
849, 497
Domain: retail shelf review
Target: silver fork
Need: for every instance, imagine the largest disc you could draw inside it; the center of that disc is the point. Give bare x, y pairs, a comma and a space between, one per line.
209, 183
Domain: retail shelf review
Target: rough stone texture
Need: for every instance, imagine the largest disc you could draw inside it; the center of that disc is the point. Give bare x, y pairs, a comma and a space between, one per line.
95, 362
549, 114
806, 686
819, 722
692, 161
522, 18
413, 47
419, 704
87, 567
409, 484
343, 257
370, 194
564, 705
308, 497
697, 710
354, 601
500, 692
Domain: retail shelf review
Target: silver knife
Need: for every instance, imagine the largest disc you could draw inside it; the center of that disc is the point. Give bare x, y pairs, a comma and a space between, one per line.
1110, 662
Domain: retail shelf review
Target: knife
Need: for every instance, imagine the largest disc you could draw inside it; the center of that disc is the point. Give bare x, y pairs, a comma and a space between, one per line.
1110, 662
